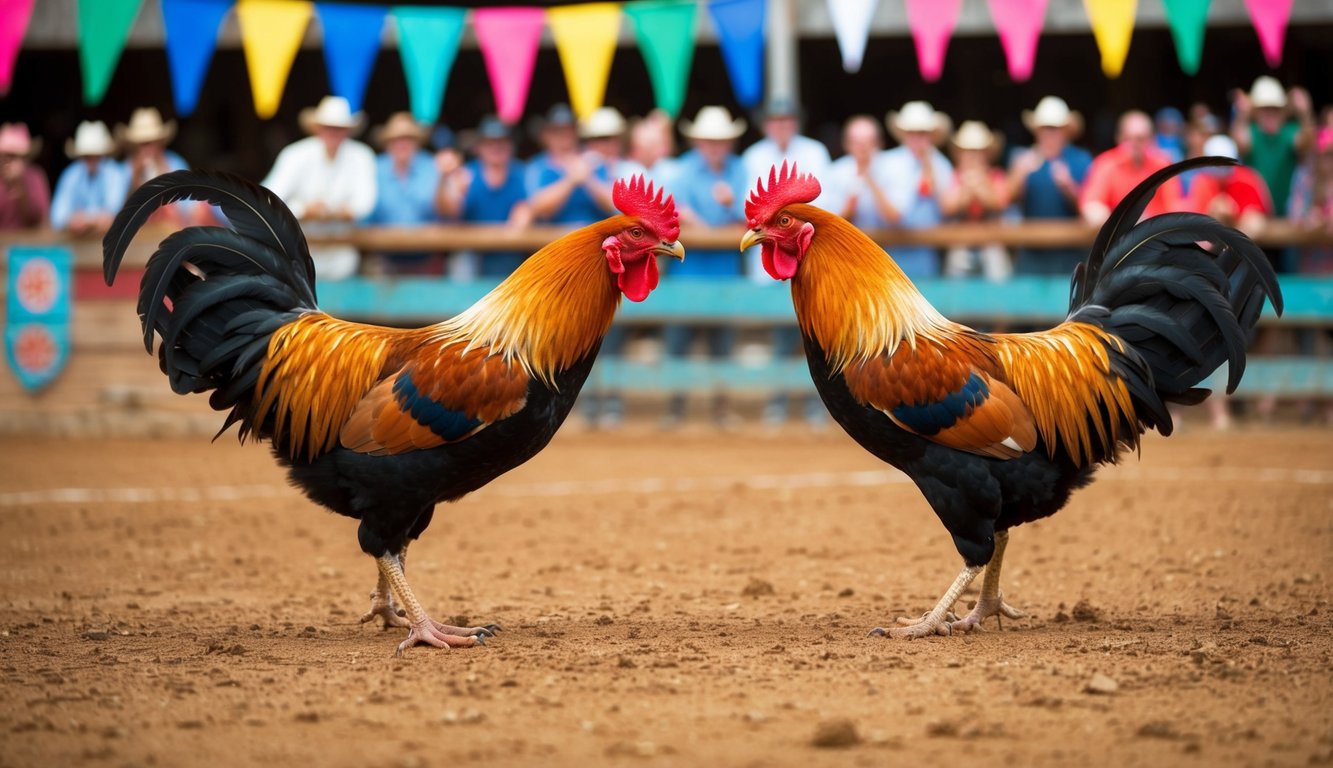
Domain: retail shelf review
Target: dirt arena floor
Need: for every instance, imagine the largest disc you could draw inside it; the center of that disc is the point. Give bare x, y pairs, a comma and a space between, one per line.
677, 600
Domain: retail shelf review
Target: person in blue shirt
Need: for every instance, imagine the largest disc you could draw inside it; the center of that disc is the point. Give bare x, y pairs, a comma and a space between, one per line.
145, 139
1045, 180
920, 174
566, 185
709, 187
93, 188
489, 189
406, 179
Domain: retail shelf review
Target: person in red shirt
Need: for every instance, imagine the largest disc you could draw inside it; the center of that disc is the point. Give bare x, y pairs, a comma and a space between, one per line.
25, 195
1115, 172
1235, 195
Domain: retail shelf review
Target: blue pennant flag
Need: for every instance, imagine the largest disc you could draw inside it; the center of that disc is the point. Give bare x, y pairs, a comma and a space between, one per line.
37, 313
192, 35
428, 42
351, 42
740, 33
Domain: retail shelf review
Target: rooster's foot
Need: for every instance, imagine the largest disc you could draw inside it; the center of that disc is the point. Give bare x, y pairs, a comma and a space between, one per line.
985, 608
921, 627
383, 607
426, 633
486, 630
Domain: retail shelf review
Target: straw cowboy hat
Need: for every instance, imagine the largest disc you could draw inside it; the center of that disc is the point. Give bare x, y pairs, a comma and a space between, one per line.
145, 126
333, 112
1053, 112
400, 125
603, 123
918, 117
16, 141
91, 139
713, 123
1267, 92
973, 134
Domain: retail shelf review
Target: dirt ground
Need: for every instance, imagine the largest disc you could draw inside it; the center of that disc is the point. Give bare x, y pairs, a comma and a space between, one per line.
682, 600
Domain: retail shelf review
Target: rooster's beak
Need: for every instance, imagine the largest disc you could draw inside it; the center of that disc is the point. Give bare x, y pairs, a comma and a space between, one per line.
674, 250
752, 237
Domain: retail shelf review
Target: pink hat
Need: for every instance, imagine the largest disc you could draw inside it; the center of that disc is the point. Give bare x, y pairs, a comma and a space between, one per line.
1323, 141
15, 140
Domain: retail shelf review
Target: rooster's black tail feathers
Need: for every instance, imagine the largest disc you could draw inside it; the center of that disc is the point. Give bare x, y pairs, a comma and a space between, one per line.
1182, 289
216, 295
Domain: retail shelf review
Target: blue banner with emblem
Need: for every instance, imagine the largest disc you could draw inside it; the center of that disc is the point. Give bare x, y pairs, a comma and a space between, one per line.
37, 323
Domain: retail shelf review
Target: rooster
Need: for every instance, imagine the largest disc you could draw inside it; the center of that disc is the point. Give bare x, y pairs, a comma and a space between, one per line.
997, 430
381, 424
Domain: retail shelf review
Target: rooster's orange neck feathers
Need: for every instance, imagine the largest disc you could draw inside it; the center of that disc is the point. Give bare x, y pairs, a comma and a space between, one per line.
853, 299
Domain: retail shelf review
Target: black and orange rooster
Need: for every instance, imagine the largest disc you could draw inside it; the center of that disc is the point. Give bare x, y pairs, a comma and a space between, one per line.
381, 424
997, 430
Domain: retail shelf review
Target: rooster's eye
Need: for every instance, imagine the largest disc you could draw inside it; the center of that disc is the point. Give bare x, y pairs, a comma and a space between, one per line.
636, 233
784, 221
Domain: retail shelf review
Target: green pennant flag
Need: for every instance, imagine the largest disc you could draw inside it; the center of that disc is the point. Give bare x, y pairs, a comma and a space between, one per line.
665, 30
1187, 19
104, 26
428, 42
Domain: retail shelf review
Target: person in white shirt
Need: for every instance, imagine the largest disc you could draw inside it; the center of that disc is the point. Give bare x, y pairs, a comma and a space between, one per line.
856, 186
328, 180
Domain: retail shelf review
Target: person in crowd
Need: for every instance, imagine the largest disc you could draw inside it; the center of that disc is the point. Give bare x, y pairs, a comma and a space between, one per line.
25, 195
920, 173
1197, 133
1169, 127
1045, 180
652, 149
489, 189
1311, 204
1115, 172
145, 139
710, 188
978, 192
856, 188
603, 135
565, 184
1234, 195
1273, 129
328, 180
93, 188
406, 178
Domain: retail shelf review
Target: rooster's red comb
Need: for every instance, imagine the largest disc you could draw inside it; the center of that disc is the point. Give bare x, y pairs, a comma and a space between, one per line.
784, 188
634, 197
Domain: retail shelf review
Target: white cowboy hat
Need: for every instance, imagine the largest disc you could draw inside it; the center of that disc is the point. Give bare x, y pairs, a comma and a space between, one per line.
1053, 112
334, 112
91, 139
973, 134
713, 123
604, 123
146, 125
1267, 92
919, 117
400, 125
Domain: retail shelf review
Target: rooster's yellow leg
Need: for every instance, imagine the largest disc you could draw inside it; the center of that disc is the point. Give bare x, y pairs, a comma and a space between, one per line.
937, 621
991, 602
424, 629
382, 604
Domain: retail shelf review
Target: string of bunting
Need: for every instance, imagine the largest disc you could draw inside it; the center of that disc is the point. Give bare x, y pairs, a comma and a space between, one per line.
585, 36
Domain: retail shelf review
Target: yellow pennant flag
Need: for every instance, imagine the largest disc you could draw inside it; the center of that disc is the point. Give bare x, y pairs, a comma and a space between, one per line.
1112, 25
271, 34
585, 37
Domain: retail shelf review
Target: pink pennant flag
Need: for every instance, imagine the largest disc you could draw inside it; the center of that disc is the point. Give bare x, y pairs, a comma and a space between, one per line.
1270, 19
932, 23
1019, 23
14, 17
508, 38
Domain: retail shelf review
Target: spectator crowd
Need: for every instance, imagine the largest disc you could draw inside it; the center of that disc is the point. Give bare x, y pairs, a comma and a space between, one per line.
410, 175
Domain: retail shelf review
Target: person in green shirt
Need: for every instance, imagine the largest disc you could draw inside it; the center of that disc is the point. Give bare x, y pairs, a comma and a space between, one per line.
1270, 141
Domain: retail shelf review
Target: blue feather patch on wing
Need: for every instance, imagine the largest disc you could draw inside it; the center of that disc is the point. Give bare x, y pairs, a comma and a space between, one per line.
930, 418
448, 424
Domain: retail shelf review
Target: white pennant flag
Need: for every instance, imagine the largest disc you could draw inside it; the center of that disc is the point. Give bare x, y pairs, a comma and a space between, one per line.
851, 23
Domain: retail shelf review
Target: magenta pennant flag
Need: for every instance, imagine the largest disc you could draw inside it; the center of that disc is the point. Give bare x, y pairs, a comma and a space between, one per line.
14, 17
1270, 19
1019, 23
932, 23
508, 38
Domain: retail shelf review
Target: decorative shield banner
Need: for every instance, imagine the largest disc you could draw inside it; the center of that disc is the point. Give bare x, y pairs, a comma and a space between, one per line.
37, 316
